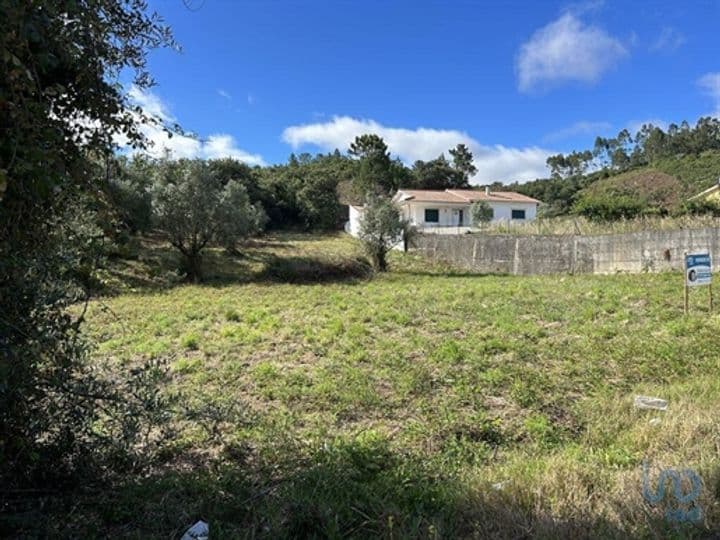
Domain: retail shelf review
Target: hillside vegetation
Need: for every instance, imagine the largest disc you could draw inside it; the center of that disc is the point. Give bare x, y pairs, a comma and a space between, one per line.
310, 401
651, 172
662, 188
695, 172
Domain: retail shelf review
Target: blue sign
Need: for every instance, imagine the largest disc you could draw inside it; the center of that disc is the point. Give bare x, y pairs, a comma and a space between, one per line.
698, 269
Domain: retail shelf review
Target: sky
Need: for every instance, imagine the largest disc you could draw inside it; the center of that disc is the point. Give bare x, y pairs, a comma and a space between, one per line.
516, 81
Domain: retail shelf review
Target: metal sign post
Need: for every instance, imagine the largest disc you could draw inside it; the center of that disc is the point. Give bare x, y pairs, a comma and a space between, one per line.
698, 272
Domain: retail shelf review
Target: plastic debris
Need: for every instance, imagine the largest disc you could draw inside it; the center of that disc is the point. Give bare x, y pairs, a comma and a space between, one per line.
654, 421
648, 402
499, 485
199, 531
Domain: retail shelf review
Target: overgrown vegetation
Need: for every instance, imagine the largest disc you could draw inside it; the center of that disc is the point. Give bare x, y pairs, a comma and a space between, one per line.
424, 402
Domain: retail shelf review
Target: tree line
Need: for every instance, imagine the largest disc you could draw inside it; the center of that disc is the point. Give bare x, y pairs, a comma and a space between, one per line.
306, 193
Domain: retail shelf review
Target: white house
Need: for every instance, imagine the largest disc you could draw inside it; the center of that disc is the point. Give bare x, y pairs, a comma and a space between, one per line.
435, 209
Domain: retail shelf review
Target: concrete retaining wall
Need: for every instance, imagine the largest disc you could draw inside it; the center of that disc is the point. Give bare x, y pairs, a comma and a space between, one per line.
632, 252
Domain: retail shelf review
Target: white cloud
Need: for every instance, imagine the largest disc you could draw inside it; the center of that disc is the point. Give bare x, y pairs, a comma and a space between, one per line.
218, 145
578, 128
566, 50
224, 94
668, 40
494, 162
710, 84
150, 103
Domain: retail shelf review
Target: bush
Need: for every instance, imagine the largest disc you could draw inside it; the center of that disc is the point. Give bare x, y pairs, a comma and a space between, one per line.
608, 207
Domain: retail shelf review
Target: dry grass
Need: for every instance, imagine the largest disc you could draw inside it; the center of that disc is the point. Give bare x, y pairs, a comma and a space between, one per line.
582, 226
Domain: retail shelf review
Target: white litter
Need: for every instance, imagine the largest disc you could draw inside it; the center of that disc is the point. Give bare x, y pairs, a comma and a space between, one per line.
499, 485
654, 421
648, 402
199, 531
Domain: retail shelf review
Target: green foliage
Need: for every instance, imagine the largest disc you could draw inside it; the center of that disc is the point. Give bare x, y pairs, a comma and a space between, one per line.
438, 174
60, 419
318, 200
304, 192
374, 173
557, 194
463, 162
608, 206
190, 341
237, 218
701, 207
481, 212
381, 228
193, 207
128, 187
573, 164
695, 172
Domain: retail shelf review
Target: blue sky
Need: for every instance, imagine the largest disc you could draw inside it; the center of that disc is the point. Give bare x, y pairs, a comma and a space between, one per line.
515, 80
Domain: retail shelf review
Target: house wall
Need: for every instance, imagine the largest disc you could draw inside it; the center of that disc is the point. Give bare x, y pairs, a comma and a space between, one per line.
353, 224
503, 210
449, 216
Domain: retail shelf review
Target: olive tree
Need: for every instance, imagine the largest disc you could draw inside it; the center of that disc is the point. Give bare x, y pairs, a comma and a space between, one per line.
193, 207
481, 212
381, 228
237, 218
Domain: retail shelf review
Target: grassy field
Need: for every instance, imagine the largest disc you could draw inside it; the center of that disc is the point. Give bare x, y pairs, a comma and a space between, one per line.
315, 401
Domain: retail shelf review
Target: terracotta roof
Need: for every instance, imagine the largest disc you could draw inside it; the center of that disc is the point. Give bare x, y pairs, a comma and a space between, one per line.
428, 195
461, 196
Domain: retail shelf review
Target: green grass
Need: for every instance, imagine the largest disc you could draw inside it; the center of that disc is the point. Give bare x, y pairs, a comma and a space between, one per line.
330, 404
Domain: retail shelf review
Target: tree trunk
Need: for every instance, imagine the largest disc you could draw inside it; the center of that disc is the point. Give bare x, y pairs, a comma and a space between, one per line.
193, 267
380, 261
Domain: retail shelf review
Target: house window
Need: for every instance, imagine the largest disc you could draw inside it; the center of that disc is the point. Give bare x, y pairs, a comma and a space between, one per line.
518, 214
432, 215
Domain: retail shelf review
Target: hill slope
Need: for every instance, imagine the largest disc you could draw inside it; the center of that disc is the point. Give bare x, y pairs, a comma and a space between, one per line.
662, 186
